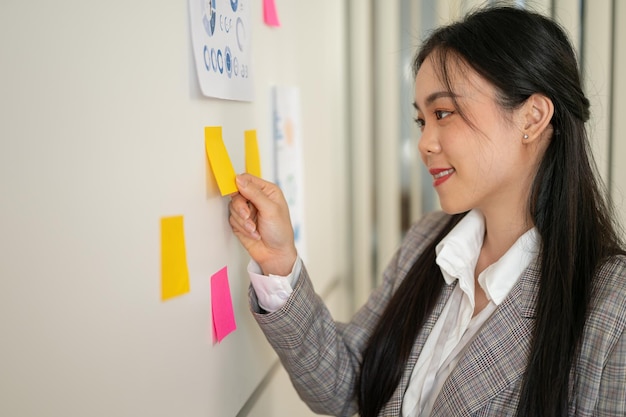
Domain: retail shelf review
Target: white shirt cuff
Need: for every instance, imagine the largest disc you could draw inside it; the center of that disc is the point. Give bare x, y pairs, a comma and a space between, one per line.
272, 291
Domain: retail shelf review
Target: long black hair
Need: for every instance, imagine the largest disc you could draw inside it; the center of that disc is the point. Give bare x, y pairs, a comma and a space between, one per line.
520, 53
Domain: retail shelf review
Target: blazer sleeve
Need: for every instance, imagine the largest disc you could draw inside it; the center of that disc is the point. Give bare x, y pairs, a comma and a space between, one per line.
605, 346
612, 318
321, 356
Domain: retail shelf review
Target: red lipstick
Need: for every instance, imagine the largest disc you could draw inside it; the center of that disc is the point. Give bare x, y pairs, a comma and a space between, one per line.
440, 175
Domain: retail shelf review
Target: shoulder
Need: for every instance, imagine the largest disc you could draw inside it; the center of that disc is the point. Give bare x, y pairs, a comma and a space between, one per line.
416, 240
601, 363
602, 358
610, 285
428, 225
607, 313
613, 268
421, 234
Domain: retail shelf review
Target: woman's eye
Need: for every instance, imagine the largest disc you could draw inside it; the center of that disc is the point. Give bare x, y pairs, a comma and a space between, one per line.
441, 114
420, 123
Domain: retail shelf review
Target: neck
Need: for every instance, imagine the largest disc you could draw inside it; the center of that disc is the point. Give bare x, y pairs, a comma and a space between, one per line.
501, 231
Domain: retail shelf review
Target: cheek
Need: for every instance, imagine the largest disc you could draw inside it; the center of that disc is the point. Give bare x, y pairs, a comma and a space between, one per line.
479, 161
498, 164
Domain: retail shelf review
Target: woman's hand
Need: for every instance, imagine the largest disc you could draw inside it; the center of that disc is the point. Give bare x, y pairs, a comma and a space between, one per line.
259, 217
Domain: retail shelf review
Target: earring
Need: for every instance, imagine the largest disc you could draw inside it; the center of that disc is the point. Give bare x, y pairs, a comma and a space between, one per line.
525, 136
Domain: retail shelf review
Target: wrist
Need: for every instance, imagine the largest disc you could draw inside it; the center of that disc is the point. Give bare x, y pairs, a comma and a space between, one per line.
280, 265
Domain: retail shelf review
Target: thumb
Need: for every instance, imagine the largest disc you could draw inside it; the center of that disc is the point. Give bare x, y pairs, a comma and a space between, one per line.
259, 192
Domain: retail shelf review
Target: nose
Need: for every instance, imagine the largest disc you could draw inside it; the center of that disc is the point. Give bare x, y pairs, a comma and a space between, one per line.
428, 144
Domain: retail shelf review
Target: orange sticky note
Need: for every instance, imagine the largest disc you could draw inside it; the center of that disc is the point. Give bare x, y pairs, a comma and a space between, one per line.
253, 161
222, 305
220, 162
174, 272
269, 13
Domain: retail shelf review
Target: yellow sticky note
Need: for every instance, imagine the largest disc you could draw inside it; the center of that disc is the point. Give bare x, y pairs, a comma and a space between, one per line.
220, 162
174, 272
253, 161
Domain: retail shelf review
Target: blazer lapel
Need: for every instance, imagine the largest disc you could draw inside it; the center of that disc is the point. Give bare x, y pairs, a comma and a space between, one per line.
394, 405
497, 357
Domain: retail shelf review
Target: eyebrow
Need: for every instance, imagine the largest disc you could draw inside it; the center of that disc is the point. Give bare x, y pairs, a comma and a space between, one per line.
436, 95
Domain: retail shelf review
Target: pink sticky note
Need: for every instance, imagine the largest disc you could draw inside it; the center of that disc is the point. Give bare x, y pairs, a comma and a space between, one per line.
221, 305
269, 13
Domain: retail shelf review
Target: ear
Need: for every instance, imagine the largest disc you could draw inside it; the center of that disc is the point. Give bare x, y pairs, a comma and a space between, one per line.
536, 114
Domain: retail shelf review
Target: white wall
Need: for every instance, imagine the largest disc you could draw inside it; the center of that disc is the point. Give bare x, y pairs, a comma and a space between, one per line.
101, 134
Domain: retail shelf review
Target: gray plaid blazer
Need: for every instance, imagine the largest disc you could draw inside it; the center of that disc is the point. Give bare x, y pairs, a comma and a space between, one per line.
323, 357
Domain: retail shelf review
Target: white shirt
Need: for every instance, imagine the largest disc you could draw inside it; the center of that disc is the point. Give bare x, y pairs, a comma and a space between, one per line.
457, 255
273, 291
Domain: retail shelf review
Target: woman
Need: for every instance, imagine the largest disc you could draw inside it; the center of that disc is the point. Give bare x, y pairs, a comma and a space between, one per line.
512, 301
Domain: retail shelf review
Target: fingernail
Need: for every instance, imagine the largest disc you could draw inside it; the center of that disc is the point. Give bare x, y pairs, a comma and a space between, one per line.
244, 214
250, 226
241, 182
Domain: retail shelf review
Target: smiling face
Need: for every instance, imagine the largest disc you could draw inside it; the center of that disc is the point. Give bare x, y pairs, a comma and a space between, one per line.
478, 160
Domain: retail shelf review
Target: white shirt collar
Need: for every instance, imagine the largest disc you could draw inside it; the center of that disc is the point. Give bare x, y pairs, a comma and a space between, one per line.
458, 252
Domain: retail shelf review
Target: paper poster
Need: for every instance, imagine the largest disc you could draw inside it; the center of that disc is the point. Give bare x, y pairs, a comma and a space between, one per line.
221, 39
288, 157
174, 272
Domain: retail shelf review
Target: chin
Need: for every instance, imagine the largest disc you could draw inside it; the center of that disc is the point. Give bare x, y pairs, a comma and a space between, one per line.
450, 208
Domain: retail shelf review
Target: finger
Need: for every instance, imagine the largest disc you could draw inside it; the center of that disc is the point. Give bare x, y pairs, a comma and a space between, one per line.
244, 229
239, 206
260, 193
243, 218
235, 216
240, 213
244, 213
253, 211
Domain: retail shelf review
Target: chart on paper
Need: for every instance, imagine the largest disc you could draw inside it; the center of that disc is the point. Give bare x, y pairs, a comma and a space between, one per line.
221, 38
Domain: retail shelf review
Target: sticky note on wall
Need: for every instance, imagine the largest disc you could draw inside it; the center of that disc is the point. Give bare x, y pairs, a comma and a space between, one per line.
270, 15
222, 305
219, 160
253, 161
174, 272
